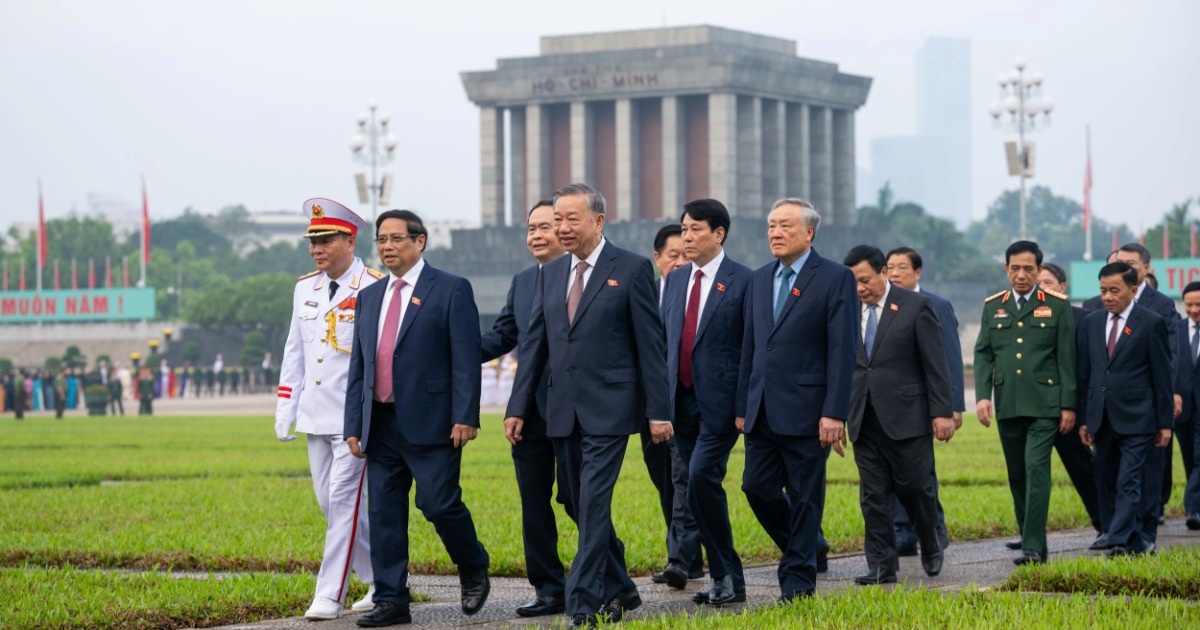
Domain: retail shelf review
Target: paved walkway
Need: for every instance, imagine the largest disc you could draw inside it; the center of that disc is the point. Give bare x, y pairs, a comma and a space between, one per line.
976, 564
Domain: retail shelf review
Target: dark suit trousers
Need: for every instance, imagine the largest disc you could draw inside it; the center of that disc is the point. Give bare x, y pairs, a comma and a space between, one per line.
1191, 496
903, 523
392, 465
683, 535
590, 465
1185, 432
889, 470
1077, 459
658, 466
1120, 464
706, 494
1152, 489
536, 468
775, 463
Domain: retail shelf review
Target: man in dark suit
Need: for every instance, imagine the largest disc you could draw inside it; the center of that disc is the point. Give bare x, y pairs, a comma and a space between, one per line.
1146, 296
1095, 303
794, 380
702, 314
595, 326
901, 396
411, 424
904, 268
668, 256
532, 451
1125, 370
1187, 391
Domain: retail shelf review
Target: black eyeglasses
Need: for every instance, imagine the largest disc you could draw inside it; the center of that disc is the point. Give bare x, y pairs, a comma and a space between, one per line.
395, 239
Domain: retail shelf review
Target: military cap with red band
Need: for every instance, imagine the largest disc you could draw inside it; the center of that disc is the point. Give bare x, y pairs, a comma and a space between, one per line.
326, 216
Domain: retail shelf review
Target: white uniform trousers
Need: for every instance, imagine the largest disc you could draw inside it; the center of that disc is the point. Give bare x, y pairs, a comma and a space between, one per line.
340, 481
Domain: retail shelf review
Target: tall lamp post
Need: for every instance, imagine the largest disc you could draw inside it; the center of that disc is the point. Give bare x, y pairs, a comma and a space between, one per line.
373, 146
1022, 99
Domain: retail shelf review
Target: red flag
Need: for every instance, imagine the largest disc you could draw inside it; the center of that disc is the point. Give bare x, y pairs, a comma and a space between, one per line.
108, 272
1087, 187
21, 278
145, 225
91, 273
1193, 239
5, 276
57, 279
74, 276
1166, 240
41, 229
125, 272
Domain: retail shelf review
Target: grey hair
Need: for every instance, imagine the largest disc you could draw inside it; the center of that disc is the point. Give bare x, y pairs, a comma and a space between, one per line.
808, 212
595, 200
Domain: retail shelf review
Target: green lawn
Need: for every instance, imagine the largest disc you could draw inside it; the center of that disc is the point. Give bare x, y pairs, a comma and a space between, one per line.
221, 493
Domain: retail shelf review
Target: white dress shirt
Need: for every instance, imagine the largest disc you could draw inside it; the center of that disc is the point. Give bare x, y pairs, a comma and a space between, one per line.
591, 261
862, 332
1109, 324
406, 293
708, 274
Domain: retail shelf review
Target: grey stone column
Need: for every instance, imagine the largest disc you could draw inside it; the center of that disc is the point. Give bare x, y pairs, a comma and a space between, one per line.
799, 162
723, 150
581, 143
628, 163
750, 156
843, 167
821, 152
516, 169
537, 150
674, 175
774, 150
491, 162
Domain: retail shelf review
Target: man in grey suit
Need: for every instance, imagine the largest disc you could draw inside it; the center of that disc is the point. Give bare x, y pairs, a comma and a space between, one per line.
595, 326
901, 394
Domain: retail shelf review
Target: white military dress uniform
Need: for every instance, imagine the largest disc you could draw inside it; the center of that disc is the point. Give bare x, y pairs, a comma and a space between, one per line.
312, 394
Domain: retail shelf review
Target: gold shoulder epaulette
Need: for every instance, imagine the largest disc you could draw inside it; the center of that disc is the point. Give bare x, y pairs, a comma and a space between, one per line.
989, 299
1055, 294
308, 275
378, 275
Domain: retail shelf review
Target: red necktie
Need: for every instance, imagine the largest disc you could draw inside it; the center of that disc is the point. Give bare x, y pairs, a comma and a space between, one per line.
387, 346
691, 318
575, 295
1112, 334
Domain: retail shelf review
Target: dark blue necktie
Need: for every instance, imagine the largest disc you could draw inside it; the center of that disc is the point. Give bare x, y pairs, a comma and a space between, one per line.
872, 326
1195, 341
784, 286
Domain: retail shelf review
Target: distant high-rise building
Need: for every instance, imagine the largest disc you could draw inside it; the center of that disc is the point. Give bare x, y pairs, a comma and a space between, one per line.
933, 167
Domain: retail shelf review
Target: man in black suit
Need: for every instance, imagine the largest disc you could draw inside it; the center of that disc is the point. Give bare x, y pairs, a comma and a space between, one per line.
1187, 388
1094, 303
1158, 478
412, 424
793, 394
595, 326
1125, 370
1075, 455
904, 268
901, 396
702, 313
532, 451
668, 256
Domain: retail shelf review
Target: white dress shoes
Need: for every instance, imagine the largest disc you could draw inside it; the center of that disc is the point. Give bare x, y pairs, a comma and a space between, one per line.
367, 603
323, 608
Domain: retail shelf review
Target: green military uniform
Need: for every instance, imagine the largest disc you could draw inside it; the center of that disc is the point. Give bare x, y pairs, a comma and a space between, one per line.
1027, 357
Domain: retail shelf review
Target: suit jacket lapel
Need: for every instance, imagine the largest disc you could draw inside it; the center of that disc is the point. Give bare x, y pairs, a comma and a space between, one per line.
715, 295
1124, 323
604, 267
800, 282
420, 294
886, 315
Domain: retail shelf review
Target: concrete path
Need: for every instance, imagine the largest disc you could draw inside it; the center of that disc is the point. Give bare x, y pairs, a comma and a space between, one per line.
976, 564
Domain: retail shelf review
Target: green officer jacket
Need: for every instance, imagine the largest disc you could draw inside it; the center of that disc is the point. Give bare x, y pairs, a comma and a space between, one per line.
1026, 357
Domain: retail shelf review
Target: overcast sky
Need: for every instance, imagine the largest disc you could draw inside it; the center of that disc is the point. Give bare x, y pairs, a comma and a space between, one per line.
253, 102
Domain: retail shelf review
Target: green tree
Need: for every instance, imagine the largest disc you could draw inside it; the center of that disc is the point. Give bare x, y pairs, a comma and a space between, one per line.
254, 346
947, 254
191, 352
1179, 233
262, 302
53, 364
6, 365
73, 358
1054, 222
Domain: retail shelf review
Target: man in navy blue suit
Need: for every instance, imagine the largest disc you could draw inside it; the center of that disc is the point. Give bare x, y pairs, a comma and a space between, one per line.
904, 267
794, 382
409, 423
702, 312
595, 327
1125, 378
1158, 478
532, 451
1187, 390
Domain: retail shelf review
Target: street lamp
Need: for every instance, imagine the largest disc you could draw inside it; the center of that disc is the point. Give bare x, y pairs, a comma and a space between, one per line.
373, 145
1022, 99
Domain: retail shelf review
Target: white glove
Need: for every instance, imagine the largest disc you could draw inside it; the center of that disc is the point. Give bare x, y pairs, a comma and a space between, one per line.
282, 428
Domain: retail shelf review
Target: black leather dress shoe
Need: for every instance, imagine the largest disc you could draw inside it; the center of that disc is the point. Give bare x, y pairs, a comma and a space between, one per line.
1100, 544
1013, 544
876, 576
624, 602
542, 605
739, 595
676, 575
1029, 557
583, 621
932, 563
1193, 521
906, 549
385, 614
823, 560
721, 592
475, 588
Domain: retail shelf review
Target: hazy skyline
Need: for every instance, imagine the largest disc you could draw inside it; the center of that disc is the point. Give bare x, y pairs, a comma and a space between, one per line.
221, 103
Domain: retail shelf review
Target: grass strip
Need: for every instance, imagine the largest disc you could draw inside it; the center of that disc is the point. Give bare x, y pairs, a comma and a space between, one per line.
1171, 573
918, 608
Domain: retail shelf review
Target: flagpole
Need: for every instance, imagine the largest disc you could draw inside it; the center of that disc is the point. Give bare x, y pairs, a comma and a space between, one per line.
41, 237
145, 233
1087, 199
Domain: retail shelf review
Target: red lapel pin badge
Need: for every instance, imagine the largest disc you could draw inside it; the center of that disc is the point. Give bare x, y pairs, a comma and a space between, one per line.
612, 283
416, 300
894, 307
795, 292
720, 287
1127, 331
